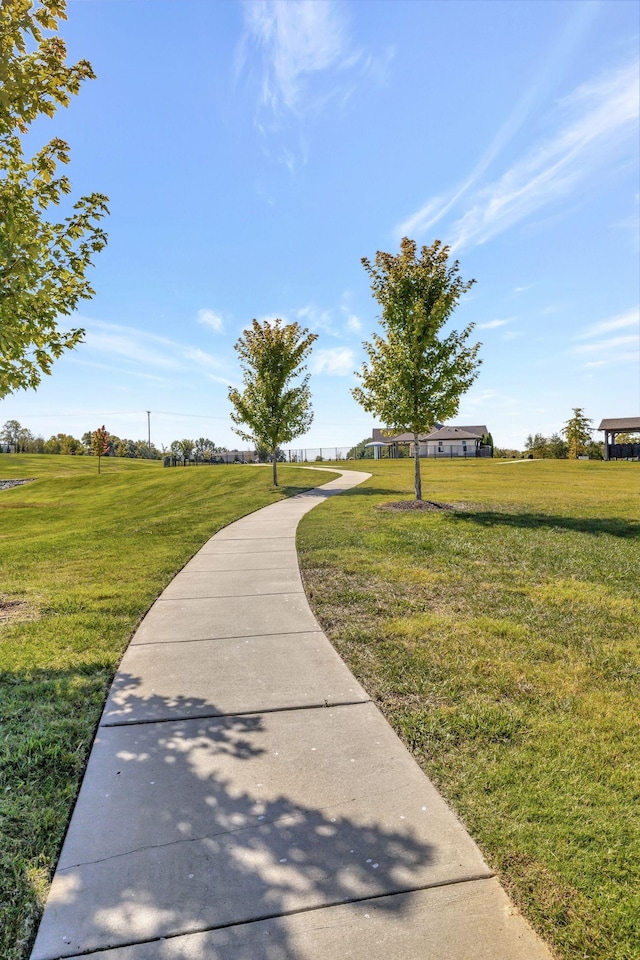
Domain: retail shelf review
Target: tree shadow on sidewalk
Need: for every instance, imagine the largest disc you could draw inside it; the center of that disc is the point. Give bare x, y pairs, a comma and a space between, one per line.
212, 823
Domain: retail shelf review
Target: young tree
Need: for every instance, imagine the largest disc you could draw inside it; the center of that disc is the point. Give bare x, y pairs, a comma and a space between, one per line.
577, 430
416, 375
100, 443
42, 263
271, 406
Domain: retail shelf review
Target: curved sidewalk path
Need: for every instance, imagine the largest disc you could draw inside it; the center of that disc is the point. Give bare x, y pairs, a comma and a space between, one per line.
245, 800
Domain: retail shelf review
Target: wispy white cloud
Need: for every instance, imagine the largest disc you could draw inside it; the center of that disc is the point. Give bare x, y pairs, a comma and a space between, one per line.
599, 126
109, 366
304, 61
131, 346
339, 323
596, 126
318, 319
620, 348
559, 54
492, 324
479, 396
613, 343
299, 41
210, 319
335, 361
216, 379
351, 322
630, 318
139, 348
200, 357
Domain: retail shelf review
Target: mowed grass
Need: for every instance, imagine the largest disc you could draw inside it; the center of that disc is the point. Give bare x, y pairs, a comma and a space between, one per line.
502, 642
82, 557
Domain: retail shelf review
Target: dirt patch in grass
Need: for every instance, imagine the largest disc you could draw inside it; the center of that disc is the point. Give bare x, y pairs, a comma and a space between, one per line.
14, 610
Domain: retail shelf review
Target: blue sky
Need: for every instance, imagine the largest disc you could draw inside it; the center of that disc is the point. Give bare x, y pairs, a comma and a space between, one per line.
254, 152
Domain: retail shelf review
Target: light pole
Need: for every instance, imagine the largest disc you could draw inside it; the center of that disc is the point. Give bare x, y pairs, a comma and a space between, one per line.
149, 431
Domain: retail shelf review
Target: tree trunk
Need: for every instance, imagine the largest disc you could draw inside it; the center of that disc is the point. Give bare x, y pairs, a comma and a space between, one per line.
416, 461
275, 468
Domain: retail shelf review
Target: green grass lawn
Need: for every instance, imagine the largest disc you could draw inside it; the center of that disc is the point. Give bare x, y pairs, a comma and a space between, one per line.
501, 640
82, 557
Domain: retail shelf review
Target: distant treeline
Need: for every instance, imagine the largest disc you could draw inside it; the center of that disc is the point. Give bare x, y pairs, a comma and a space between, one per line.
556, 447
22, 440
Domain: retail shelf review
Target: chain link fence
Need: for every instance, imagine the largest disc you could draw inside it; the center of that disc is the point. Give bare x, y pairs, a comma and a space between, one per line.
328, 454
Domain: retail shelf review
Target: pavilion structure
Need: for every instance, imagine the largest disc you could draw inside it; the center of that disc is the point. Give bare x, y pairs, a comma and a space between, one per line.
613, 427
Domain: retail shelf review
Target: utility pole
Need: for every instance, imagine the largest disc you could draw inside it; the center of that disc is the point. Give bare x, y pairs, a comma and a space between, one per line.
149, 431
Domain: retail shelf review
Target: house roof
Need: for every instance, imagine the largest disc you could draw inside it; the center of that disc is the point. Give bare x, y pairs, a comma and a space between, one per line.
404, 438
457, 433
453, 432
386, 435
479, 430
622, 424
382, 435
439, 433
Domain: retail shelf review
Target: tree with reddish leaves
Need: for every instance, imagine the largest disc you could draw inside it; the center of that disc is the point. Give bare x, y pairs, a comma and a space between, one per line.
100, 443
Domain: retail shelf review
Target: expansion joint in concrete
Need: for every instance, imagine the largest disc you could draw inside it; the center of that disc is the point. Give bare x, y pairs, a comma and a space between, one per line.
236, 596
244, 636
237, 713
488, 875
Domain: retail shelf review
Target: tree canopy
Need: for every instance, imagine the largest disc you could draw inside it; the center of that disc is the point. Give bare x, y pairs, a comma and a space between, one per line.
14, 432
272, 409
43, 263
416, 373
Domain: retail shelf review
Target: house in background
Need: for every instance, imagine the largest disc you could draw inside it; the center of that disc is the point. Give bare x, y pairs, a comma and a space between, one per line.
442, 441
456, 442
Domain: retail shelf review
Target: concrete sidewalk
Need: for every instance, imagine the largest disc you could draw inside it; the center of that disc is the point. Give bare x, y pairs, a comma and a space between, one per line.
245, 800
